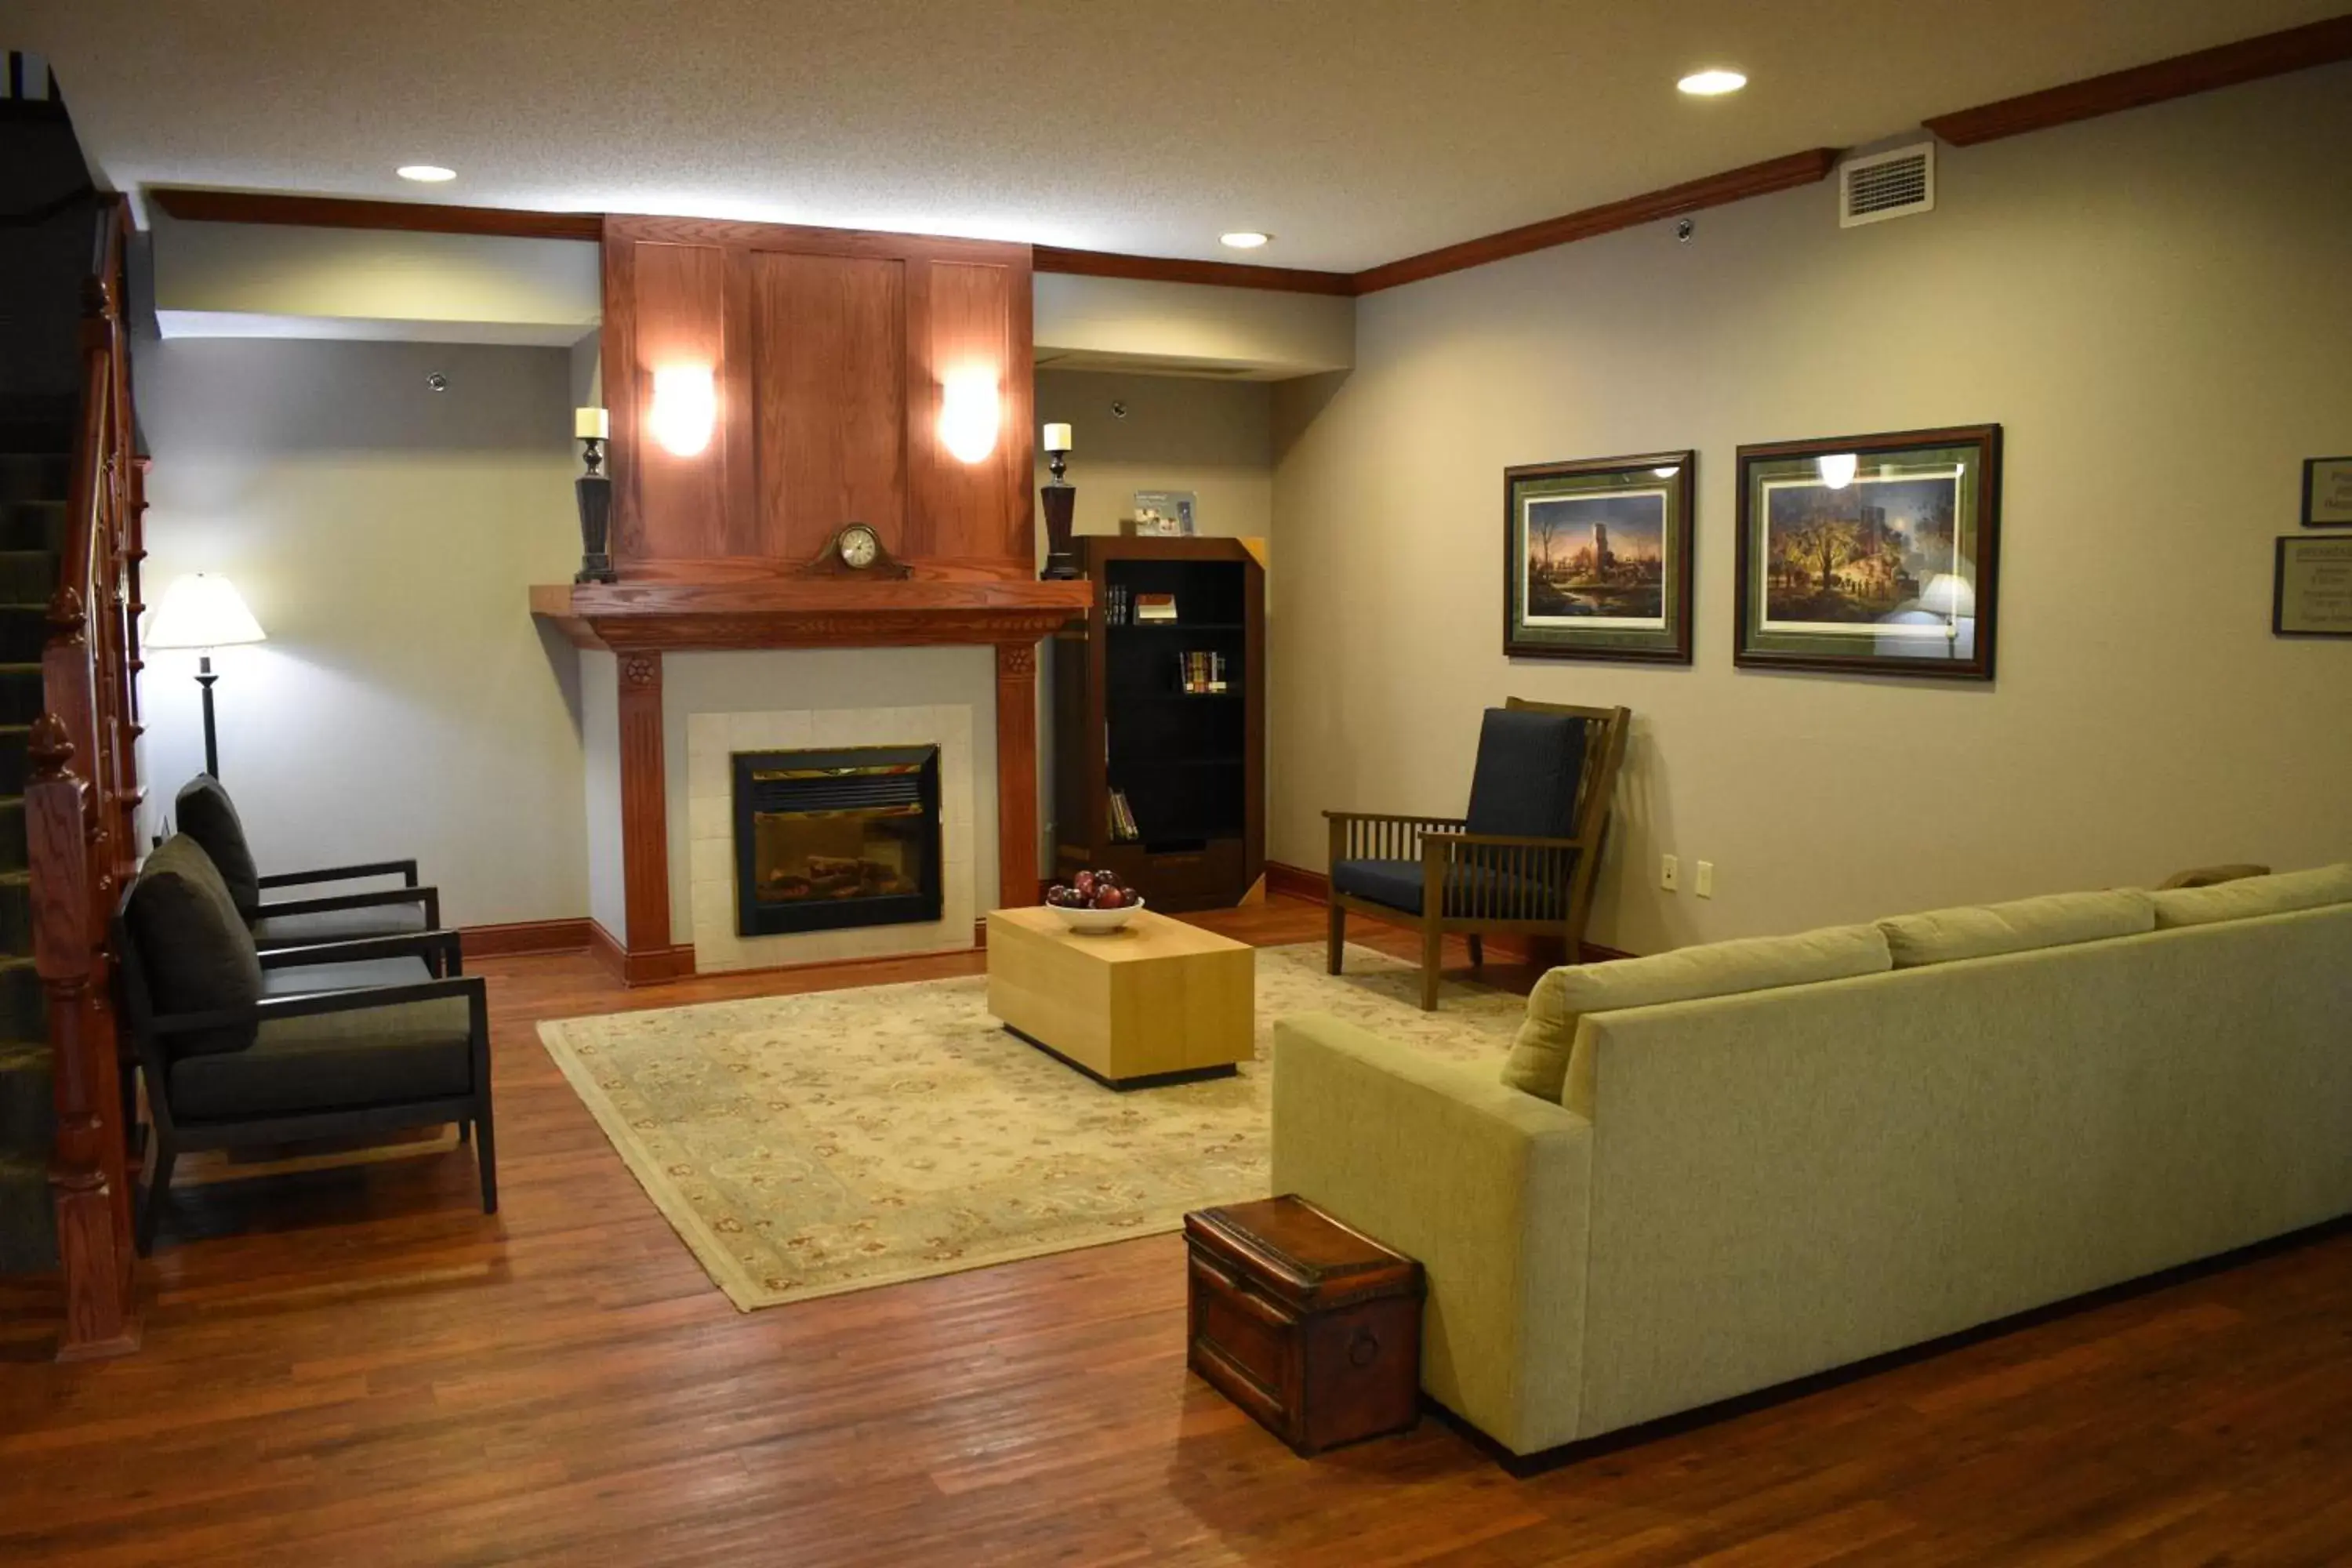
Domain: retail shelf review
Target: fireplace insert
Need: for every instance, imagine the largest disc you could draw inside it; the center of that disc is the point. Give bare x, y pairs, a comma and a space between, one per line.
848, 836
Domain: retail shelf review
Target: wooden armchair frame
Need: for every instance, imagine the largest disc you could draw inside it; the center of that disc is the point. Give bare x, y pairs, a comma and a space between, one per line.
1477, 885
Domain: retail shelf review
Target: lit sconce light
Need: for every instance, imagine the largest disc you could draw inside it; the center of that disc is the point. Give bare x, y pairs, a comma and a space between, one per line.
1668, 472
1838, 468
969, 414
685, 409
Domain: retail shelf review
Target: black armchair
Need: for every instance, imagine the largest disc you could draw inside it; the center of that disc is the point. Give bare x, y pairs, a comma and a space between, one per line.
205, 814
240, 1046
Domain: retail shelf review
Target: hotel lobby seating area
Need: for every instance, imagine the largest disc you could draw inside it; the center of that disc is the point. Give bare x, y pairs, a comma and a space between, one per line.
1302, 785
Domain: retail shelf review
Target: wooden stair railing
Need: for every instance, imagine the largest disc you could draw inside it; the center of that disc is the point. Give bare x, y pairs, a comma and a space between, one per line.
80, 801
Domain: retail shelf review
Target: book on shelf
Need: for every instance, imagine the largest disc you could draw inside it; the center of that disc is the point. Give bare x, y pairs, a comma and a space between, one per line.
1122, 818
1155, 607
1202, 673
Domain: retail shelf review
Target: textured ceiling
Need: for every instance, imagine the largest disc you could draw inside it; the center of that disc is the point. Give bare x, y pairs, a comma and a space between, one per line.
1356, 132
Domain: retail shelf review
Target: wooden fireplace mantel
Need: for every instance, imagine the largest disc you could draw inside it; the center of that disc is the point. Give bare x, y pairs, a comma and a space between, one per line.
640, 621
803, 612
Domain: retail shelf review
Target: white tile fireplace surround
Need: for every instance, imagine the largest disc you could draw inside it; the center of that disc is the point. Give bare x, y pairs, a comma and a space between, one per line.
711, 741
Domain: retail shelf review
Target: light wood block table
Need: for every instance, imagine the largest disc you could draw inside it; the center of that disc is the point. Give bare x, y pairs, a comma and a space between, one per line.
1159, 1002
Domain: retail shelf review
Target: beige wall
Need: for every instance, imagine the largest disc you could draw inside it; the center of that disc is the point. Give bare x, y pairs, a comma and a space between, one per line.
1180, 433
244, 281
405, 702
1267, 332
2153, 304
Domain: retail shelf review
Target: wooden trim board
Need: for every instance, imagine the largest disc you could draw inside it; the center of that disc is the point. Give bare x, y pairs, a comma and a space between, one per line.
2227, 64
521, 937
1177, 269
193, 205
1732, 185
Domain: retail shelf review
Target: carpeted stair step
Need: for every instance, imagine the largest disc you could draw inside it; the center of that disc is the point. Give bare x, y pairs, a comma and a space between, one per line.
16, 912
14, 765
36, 476
33, 525
24, 628
24, 1008
27, 577
29, 1111
28, 1222
20, 693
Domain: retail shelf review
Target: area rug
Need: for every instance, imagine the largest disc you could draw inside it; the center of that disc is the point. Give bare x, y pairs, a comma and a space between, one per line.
834, 1141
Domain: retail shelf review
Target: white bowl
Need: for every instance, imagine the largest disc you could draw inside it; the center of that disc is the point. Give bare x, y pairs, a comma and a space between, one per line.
1097, 922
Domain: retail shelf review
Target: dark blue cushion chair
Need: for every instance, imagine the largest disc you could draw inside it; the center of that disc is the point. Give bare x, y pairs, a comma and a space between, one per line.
1520, 862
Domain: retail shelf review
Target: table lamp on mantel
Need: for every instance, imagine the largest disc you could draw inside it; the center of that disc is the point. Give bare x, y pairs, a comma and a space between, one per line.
1060, 499
203, 611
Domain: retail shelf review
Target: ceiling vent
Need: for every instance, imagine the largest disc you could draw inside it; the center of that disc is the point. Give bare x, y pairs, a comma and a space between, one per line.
1887, 184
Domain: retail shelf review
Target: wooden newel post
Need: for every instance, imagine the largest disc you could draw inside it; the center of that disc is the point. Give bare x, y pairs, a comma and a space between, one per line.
86, 1174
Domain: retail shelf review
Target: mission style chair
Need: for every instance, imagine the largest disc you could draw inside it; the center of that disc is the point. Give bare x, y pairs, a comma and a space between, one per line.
1520, 863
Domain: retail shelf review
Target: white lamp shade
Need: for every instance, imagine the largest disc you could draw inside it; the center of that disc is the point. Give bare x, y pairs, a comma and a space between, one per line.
203, 609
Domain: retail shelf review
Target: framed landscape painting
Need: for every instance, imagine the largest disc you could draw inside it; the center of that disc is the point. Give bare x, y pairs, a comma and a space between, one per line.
1871, 554
1597, 558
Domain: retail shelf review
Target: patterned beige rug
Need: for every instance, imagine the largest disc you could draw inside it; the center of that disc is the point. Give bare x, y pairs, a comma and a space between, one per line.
836, 1140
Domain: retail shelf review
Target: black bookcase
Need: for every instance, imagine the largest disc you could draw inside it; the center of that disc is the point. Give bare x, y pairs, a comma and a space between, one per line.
1190, 764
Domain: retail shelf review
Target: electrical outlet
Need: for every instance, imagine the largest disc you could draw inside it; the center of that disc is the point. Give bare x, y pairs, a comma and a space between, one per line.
1670, 873
1706, 879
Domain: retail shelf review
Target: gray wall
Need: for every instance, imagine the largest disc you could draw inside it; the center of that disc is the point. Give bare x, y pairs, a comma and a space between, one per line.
384, 535
2154, 305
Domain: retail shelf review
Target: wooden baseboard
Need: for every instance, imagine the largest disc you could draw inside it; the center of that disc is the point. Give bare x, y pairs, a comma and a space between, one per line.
521, 937
1315, 887
648, 968
678, 963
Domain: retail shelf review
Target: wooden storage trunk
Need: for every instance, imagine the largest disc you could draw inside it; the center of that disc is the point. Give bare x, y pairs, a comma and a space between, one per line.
1311, 1327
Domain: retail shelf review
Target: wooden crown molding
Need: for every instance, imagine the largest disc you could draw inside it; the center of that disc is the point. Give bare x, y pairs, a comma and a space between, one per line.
1171, 269
1714, 190
344, 212
2227, 64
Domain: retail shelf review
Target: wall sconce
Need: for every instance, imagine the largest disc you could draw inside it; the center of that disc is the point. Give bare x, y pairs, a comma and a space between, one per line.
685, 409
1837, 469
970, 414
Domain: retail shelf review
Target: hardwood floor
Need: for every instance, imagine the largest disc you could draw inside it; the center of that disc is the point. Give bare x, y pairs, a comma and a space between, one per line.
353, 1365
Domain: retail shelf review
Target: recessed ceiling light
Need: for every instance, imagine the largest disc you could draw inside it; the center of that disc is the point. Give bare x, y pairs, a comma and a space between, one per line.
1712, 83
1244, 238
425, 173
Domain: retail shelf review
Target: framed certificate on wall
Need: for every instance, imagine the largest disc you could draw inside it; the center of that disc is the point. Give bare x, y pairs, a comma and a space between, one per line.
2311, 590
2328, 492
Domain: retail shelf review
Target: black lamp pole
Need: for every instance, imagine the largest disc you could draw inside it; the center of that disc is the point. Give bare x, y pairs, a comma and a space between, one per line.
204, 678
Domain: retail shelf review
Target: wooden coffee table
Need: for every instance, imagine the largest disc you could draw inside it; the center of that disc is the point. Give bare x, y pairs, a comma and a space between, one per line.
1159, 1002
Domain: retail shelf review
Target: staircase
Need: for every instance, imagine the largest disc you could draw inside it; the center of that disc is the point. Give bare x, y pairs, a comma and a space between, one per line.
33, 500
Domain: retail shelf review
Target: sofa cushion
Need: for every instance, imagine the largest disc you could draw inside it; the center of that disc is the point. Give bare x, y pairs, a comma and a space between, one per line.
304, 979
206, 815
1942, 936
1397, 884
1529, 765
340, 925
1540, 1059
2250, 896
195, 951
334, 1062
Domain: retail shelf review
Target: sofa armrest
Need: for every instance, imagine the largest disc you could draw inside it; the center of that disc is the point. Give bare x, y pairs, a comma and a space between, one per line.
1485, 1185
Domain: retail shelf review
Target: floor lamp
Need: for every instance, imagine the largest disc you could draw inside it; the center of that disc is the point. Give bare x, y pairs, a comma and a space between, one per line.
203, 611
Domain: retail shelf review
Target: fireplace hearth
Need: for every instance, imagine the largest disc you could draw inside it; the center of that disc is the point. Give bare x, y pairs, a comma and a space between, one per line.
843, 837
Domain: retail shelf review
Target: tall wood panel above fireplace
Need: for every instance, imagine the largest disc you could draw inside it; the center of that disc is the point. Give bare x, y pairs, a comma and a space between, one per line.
830, 353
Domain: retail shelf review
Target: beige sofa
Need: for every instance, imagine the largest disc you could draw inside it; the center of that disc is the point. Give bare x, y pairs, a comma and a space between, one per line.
1986, 1110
